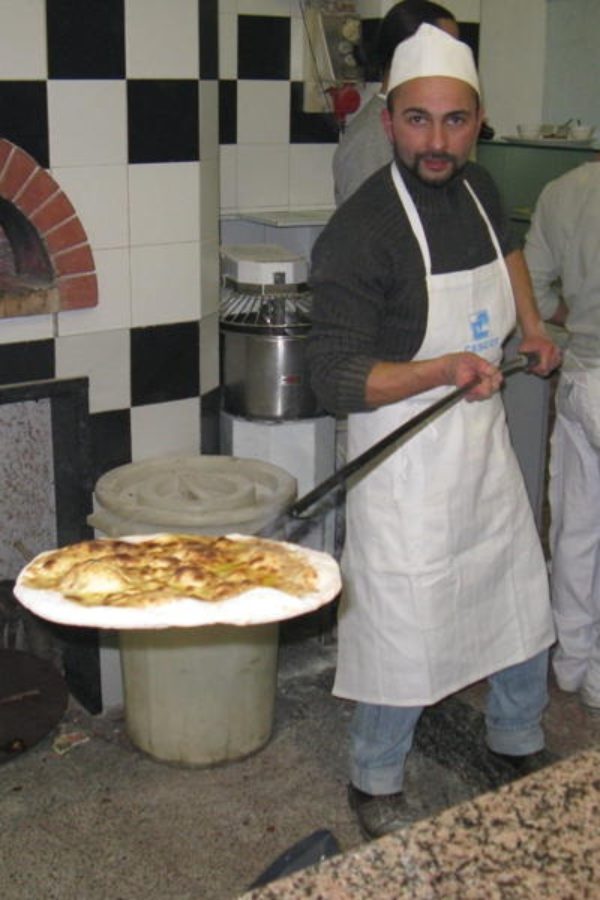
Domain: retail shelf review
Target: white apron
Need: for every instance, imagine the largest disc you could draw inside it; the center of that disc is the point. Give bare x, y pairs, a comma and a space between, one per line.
445, 580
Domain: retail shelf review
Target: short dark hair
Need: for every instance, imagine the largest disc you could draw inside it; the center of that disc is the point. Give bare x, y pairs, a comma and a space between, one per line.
401, 21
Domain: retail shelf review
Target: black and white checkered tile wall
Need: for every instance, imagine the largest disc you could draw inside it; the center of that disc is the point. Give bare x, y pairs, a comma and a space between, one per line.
119, 99
273, 154
137, 107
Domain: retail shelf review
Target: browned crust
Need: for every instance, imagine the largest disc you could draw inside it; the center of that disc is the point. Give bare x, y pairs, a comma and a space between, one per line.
165, 568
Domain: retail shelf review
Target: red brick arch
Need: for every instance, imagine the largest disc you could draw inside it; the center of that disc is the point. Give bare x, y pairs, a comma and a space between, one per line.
36, 194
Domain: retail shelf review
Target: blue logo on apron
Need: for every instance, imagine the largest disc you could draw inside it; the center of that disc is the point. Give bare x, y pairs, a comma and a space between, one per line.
479, 323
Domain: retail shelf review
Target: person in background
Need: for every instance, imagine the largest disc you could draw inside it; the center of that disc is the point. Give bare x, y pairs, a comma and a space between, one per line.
563, 253
364, 146
445, 580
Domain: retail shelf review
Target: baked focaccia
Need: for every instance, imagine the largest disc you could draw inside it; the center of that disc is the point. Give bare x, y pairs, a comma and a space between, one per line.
168, 567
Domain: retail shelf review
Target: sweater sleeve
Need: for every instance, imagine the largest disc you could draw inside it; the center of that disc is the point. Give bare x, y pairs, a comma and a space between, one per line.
361, 296
341, 346
543, 262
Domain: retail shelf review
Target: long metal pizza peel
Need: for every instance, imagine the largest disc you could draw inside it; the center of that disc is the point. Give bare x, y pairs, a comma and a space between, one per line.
294, 521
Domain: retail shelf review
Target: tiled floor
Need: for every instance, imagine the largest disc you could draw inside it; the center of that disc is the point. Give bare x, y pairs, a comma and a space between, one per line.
104, 820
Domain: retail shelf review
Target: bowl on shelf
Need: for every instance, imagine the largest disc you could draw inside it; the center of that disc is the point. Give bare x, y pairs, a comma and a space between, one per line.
581, 132
549, 130
528, 132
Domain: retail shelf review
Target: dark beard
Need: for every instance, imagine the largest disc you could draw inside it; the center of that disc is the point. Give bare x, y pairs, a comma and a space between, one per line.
414, 167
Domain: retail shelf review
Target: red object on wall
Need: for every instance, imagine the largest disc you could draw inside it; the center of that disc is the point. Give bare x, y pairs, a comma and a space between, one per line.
345, 100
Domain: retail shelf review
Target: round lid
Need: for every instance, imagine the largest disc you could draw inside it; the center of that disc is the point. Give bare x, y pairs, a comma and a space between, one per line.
212, 492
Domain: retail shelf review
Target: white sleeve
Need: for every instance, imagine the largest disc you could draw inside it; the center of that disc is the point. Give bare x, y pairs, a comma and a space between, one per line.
542, 253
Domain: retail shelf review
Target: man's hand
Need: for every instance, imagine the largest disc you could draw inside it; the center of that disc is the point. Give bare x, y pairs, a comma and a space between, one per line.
463, 368
549, 354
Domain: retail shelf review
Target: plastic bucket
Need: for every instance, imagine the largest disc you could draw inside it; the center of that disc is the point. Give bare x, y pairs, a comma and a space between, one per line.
198, 696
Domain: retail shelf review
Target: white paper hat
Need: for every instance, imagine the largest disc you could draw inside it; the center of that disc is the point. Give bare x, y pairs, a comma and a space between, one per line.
432, 51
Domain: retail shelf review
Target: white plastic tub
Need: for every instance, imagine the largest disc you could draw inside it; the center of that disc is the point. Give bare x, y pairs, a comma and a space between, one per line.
206, 695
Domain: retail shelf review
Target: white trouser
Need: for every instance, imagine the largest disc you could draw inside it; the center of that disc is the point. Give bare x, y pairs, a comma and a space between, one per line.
575, 533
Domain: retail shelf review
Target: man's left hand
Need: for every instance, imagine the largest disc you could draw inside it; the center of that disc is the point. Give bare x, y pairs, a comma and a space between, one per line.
549, 354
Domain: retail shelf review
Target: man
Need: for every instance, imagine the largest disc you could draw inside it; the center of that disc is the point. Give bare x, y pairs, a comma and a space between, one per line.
364, 146
445, 580
564, 245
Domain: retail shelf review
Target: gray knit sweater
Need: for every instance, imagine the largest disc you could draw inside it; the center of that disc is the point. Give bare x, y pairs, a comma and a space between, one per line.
368, 277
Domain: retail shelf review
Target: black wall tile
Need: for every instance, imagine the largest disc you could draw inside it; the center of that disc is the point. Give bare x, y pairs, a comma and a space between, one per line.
27, 361
208, 18
264, 47
162, 117
86, 38
24, 117
469, 33
210, 422
227, 112
367, 56
309, 128
165, 363
110, 441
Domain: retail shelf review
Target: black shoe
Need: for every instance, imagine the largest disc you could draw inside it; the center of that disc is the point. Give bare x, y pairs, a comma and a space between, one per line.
526, 764
379, 814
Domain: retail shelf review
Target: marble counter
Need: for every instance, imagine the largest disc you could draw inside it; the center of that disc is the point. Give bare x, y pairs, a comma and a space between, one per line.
538, 837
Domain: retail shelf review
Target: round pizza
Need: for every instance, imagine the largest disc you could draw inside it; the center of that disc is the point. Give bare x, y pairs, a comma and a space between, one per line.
120, 573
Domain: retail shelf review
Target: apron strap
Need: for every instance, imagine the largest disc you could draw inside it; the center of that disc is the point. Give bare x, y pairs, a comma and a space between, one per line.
419, 232
413, 217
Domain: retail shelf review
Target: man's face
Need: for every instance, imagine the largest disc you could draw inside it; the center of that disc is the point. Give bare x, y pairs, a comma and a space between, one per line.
433, 126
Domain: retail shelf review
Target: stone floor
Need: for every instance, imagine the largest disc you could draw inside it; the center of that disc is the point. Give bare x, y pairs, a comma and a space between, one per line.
104, 820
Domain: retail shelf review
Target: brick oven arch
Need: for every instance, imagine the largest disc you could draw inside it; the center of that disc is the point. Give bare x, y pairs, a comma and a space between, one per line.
38, 197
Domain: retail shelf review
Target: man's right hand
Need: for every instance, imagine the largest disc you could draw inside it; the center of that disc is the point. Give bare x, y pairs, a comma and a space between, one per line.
463, 368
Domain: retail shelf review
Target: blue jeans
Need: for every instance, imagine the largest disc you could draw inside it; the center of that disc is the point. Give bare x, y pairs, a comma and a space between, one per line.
381, 736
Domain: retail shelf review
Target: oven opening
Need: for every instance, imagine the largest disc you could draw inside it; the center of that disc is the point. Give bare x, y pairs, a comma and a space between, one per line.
27, 279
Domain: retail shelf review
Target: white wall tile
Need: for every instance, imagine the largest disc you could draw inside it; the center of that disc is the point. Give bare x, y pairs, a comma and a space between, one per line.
26, 328
265, 7
164, 203
165, 284
228, 46
161, 42
209, 199
209, 353
465, 10
114, 302
311, 179
297, 43
23, 39
104, 359
263, 112
99, 195
228, 176
87, 122
209, 276
165, 429
262, 177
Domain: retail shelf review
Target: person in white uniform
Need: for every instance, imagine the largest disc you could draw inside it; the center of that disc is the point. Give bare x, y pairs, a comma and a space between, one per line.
364, 146
445, 581
563, 252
